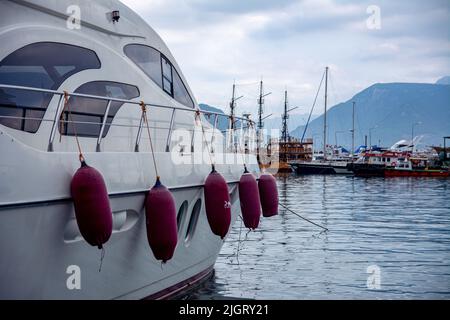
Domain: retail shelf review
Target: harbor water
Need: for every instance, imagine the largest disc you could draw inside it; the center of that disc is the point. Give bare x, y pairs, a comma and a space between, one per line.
388, 238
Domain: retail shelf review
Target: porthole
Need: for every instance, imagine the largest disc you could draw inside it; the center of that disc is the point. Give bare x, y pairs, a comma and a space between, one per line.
181, 216
193, 220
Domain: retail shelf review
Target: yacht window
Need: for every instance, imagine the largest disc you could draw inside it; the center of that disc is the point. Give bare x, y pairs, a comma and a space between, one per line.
147, 59
167, 69
160, 70
193, 220
182, 214
44, 65
88, 113
179, 91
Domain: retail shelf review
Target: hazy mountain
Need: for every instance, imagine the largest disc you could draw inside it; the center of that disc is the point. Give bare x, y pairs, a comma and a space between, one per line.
444, 80
390, 109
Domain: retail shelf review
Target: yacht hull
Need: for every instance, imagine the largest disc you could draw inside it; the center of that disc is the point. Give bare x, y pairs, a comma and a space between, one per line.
43, 255
39, 251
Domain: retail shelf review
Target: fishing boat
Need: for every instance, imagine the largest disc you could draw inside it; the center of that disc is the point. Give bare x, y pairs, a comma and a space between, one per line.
82, 74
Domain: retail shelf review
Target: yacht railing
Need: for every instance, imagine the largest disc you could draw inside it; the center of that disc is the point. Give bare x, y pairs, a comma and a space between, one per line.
57, 117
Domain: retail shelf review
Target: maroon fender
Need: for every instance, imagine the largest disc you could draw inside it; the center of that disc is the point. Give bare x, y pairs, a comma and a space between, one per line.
217, 204
268, 192
92, 208
161, 222
250, 202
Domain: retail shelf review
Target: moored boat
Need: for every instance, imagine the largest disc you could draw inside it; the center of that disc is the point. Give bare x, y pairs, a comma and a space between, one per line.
416, 167
373, 163
321, 167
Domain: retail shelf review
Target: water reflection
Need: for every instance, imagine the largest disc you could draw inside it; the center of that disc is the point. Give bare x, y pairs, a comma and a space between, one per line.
401, 225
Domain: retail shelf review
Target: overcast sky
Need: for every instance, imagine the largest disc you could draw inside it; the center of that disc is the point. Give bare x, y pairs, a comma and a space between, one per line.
289, 43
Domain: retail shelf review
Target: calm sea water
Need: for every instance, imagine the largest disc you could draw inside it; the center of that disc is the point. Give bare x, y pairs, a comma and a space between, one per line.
399, 227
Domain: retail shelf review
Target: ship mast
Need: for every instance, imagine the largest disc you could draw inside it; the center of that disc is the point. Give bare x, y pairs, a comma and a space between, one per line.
232, 114
353, 131
232, 106
325, 117
284, 132
260, 106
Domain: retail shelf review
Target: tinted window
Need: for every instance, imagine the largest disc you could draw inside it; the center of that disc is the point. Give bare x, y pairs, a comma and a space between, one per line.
181, 214
160, 70
146, 58
167, 69
89, 112
193, 220
179, 91
43, 65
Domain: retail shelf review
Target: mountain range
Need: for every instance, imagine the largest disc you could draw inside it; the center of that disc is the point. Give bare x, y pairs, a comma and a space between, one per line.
387, 113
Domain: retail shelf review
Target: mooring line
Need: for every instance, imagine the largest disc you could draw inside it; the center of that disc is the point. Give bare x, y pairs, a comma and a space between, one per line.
318, 225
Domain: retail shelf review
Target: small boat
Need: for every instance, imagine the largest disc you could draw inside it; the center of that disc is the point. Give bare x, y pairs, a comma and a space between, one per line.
373, 163
415, 167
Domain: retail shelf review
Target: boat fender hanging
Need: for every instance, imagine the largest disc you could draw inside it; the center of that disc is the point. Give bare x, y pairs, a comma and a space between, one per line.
217, 203
161, 221
92, 207
249, 199
268, 193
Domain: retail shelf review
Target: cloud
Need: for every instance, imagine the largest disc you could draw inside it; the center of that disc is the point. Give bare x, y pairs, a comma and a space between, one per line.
289, 42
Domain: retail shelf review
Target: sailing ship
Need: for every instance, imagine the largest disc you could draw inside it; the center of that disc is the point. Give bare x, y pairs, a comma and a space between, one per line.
329, 163
286, 149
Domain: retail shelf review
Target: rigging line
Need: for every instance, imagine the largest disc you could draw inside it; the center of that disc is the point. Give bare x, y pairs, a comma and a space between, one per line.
198, 117
318, 225
239, 242
102, 256
144, 116
66, 104
312, 108
342, 126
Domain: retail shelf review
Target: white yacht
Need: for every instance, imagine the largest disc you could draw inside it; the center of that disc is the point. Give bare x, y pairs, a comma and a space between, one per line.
106, 59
